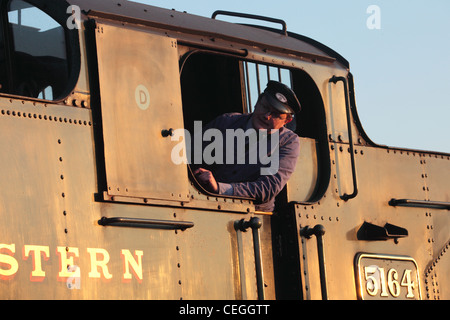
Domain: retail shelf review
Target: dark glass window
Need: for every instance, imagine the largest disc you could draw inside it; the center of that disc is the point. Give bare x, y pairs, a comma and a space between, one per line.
36, 46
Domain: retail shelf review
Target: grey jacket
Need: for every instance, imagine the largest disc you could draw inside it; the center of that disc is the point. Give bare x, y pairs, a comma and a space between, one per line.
275, 154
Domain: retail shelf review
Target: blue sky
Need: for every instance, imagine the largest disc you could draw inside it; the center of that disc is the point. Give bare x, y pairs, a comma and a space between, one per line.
401, 71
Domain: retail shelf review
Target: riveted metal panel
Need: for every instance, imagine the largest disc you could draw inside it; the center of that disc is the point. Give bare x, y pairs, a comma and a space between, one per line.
140, 97
382, 174
437, 186
48, 176
303, 181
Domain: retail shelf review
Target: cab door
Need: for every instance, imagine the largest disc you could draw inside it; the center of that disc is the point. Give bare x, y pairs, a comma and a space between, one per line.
141, 107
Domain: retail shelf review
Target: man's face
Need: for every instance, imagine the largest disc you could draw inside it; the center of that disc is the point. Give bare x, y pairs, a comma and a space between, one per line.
267, 117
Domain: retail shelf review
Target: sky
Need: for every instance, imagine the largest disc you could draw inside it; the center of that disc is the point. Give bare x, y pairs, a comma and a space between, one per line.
399, 54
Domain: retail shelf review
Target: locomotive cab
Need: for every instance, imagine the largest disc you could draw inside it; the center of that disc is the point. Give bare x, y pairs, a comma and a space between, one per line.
95, 97
42, 60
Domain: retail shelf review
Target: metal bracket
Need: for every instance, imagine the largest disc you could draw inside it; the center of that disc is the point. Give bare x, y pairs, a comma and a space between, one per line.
371, 232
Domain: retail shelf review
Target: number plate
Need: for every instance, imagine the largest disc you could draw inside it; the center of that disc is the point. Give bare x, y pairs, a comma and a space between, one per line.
387, 277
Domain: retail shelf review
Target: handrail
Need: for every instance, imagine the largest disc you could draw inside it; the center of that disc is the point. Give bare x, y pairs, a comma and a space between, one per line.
318, 231
255, 224
145, 223
346, 196
251, 16
420, 204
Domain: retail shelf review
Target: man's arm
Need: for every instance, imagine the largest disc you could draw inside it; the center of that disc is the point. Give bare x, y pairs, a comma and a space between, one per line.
265, 188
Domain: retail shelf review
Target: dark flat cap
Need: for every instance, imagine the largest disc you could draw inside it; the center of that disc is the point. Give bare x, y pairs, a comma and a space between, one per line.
282, 98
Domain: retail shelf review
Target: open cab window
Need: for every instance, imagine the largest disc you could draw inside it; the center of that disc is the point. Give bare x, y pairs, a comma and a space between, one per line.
35, 56
215, 84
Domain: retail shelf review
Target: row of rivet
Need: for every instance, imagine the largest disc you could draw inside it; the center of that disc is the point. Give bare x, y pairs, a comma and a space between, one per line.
431, 275
63, 194
178, 249
44, 117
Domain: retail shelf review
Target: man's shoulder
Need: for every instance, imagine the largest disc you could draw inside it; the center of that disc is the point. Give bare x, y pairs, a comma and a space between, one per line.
290, 140
234, 116
232, 120
288, 134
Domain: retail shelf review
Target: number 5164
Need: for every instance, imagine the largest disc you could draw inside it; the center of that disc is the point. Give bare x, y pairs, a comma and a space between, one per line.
388, 283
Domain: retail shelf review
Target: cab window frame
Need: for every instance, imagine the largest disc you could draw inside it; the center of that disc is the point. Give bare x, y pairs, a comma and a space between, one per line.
309, 124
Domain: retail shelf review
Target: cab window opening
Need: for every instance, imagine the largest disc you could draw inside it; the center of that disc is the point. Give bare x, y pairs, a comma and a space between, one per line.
215, 84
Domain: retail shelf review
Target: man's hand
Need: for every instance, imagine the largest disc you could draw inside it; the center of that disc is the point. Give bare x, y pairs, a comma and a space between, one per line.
207, 180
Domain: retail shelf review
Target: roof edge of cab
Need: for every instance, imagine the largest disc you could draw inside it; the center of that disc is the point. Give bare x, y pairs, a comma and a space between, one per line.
134, 12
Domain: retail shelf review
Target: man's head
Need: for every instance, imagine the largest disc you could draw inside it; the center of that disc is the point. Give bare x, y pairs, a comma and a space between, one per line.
275, 107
